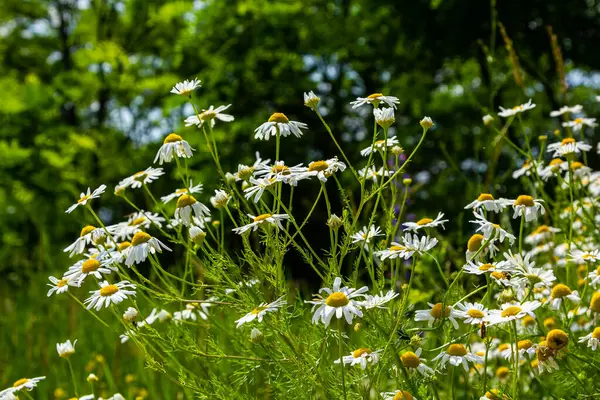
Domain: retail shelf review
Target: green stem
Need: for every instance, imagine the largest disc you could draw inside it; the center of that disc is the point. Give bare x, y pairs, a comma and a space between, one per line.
341, 353
75, 389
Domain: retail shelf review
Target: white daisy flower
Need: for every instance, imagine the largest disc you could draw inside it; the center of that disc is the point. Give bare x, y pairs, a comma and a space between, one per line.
566, 109
526, 349
279, 124
560, 292
280, 172
379, 145
487, 202
108, 294
211, 115
582, 257
578, 123
92, 266
340, 301
528, 207
384, 117
378, 300
526, 169
141, 178
173, 145
413, 361
136, 222
191, 312
492, 231
375, 99
130, 314
426, 223
142, 244
457, 354
258, 188
398, 395
180, 192
414, 244
542, 233
220, 199
372, 173
434, 313
553, 169
27, 383
88, 235
592, 339
66, 349
59, 286
472, 313
186, 87
594, 277
365, 235
362, 357
311, 100
323, 169
396, 250
480, 268
511, 311
188, 205
85, 197
509, 112
272, 219
538, 277
568, 146
260, 311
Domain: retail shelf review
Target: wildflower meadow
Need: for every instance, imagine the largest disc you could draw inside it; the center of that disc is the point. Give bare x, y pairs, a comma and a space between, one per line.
252, 267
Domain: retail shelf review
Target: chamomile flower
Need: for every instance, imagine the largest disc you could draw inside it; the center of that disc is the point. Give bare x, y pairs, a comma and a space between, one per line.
280, 172
475, 250
141, 178
258, 188
396, 250
340, 301
526, 169
108, 294
578, 123
426, 223
66, 349
554, 168
91, 266
27, 383
130, 314
191, 313
528, 207
539, 278
582, 257
186, 87
142, 244
412, 361
372, 173
59, 286
457, 354
365, 235
541, 234
362, 357
85, 197
323, 169
220, 199
271, 219
472, 313
594, 277
311, 99
180, 192
259, 312
173, 145
375, 99
566, 109
279, 124
384, 117
187, 206
88, 235
398, 395
487, 202
492, 231
561, 292
415, 244
379, 145
434, 313
136, 222
509, 312
509, 112
568, 146
525, 347
209, 115
378, 300
592, 339
480, 268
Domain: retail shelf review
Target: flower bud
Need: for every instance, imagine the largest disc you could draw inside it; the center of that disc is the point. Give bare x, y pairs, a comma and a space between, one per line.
487, 119
92, 378
542, 138
407, 181
426, 123
256, 336
397, 150
130, 315
334, 222
197, 235
220, 199
415, 341
311, 100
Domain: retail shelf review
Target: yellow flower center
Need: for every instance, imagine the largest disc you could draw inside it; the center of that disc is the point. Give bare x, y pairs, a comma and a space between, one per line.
560, 290
528, 320
20, 382
457, 349
379, 142
185, 200
567, 141
181, 191
62, 282
544, 352
262, 217
436, 311
140, 238
493, 394
524, 344
139, 176
109, 290
557, 339
359, 352
511, 311
524, 200
280, 118
498, 275
486, 267
397, 248
403, 395
374, 96
123, 245
84, 198
90, 265
502, 372
410, 359
280, 169
424, 221
137, 221
475, 313
525, 164
485, 197
475, 242
534, 364
258, 309
575, 165
503, 346
555, 161
172, 138
550, 323
596, 333
337, 299
578, 120
86, 229
207, 115
318, 166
